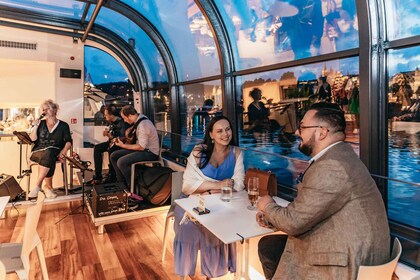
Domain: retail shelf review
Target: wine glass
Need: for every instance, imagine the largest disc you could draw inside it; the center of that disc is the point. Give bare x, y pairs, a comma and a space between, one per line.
253, 192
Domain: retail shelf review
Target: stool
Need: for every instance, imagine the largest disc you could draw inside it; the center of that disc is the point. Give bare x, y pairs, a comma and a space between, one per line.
29, 171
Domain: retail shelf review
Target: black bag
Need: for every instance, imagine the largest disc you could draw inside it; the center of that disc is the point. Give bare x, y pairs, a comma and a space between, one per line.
154, 183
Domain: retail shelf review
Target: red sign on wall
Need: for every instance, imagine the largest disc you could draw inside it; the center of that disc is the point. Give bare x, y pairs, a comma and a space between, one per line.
73, 121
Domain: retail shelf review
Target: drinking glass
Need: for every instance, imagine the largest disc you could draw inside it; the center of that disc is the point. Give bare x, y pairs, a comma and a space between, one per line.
226, 193
253, 192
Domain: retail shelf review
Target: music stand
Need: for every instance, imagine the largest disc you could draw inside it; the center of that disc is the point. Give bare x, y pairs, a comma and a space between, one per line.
82, 166
24, 138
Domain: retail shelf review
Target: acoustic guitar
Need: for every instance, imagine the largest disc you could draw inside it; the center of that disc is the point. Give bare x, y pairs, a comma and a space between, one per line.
130, 134
125, 140
130, 137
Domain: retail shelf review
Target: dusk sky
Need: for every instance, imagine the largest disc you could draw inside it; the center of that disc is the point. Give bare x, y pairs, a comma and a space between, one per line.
102, 67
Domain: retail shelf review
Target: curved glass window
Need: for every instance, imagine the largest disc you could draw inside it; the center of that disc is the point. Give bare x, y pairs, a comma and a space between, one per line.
160, 104
404, 135
402, 18
269, 32
199, 103
143, 45
62, 8
187, 34
268, 129
105, 83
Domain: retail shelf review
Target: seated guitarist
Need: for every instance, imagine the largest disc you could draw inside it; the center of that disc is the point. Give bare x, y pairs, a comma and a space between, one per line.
143, 144
116, 129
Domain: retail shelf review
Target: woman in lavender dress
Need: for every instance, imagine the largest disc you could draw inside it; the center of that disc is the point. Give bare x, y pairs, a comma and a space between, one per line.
210, 166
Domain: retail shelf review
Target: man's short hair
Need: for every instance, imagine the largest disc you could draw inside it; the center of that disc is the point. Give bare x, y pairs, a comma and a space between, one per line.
128, 110
112, 110
331, 114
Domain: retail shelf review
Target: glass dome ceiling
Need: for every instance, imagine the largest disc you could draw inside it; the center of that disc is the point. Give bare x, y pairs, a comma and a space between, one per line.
187, 33
259, 33
143, 45
181, 25
267, 32
62, 8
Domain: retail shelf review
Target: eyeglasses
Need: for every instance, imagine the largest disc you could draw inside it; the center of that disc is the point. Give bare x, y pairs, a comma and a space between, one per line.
301, 127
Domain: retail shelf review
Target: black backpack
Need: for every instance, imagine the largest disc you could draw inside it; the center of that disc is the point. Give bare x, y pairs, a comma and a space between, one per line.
154, 183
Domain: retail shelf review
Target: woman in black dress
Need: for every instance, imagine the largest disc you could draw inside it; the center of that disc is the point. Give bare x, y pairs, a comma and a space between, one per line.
52, 140
257, 112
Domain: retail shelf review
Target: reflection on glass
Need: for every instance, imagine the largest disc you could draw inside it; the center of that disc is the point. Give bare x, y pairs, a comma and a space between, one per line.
187, 34
404, 135
267, 32
199, 103
160, 101
402, 18
105, 82
101, 67
272, 104
16, 119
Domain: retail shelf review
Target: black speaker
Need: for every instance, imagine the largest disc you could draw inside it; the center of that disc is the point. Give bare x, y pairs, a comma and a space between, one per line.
109, 199
9, 186
70, 73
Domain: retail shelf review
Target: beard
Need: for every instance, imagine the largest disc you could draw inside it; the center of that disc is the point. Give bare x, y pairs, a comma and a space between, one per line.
307, 148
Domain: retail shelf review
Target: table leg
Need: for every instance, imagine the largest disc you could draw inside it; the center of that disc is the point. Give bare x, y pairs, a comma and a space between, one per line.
239, 260
246, 259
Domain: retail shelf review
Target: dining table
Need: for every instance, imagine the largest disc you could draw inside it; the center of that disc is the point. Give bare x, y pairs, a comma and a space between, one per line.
231, 222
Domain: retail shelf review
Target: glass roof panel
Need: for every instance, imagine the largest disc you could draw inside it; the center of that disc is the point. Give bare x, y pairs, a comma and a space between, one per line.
266, 32
402, 19
102, 68
144, 46
309, 72
187, 34
62, 8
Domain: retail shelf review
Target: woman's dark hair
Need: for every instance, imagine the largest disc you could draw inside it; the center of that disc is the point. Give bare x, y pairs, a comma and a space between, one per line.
128, 110
207, 149
255, 92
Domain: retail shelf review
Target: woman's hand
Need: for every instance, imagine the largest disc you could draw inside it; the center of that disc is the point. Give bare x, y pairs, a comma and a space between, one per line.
61, 157
36, 122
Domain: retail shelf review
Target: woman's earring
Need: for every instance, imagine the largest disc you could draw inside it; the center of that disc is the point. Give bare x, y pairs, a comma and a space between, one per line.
212, 140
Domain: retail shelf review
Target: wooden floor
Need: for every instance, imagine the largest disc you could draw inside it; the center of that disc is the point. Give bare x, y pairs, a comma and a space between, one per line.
74, 250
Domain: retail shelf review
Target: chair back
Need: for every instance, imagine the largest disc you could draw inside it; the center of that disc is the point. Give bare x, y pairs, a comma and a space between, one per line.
31, 222
2, 271
161, 135
176, 186
384, 271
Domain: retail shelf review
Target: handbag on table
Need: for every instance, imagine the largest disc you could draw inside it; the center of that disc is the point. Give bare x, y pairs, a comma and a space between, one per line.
267, 181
